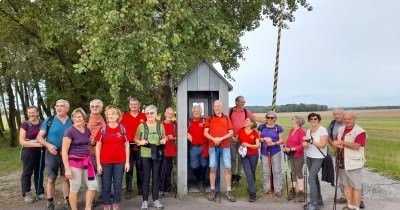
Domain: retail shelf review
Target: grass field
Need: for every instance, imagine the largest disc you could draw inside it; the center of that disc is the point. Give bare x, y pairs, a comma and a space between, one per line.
382, 149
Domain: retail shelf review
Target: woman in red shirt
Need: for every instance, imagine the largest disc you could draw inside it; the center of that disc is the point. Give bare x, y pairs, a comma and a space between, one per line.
249, 140
112, 156
295, 151
170, 151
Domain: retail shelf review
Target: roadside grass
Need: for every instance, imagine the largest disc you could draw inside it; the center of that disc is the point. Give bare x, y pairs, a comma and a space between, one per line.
9, 158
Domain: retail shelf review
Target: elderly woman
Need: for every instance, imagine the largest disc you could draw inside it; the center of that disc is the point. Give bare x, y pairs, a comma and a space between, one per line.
31, 156
198, 147
294, 150
112, 156
249, 139
271, 138
77, 160
314, 144
151, 138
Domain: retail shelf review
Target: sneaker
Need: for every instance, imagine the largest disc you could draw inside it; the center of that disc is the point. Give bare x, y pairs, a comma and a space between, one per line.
300, 196
157, 204
291, 195
128, 195
347, 208
230, 196
145, 205
362, 205
116, 206
40, 197
252, 198
28, 198
212, 196
106, 207
341, 200
278, 194
50, 206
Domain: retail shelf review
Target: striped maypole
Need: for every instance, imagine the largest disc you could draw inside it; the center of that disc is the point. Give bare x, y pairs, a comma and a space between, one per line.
277, 58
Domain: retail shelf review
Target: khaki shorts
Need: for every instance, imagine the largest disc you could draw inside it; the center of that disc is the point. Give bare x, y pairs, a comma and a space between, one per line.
351, 178
76, 181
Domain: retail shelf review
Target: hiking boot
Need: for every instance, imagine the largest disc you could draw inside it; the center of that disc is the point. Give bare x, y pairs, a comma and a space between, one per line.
291, 195
28, 198
230, 196
252, 198
128, 195
362, 205
50, 206
341, 200
300, 196
212, 196
145, 205
157, 204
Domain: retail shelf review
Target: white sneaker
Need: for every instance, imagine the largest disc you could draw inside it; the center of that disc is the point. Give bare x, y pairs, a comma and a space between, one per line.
157, 204
28, 198
145, 205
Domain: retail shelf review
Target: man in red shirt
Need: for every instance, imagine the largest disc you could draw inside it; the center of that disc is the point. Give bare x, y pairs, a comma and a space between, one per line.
218, 131
238, 115
131, 121
350, 142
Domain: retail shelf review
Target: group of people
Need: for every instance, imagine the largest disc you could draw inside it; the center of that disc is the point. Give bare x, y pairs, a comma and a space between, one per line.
98, 151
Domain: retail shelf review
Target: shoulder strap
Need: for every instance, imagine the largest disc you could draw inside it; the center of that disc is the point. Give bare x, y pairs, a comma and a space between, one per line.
230, 112
49, 122
158, 128
29, 124
331, 126
312, 139
123, 133
245, 113
146, 131
103, 133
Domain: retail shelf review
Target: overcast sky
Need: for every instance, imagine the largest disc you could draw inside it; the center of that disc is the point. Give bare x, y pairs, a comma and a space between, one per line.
341, 54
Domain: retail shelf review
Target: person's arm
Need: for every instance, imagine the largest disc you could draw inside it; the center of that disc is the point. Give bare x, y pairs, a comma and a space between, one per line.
66, 143
127, 153
98, 148
23, 142
40, 137
280, 140
322, 142
207, 135
254, 146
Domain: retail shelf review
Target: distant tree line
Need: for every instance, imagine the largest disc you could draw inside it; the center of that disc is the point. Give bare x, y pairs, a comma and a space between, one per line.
289, 108
371, 107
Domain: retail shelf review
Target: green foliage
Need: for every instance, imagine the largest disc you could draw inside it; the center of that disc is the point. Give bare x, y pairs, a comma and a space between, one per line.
289, 108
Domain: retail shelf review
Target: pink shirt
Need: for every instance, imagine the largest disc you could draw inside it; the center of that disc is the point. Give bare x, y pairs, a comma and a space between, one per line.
238, 118
295, 140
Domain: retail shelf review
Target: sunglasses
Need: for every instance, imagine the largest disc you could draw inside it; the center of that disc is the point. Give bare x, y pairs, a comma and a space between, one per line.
149, 113
313, 118
97, 106
270, 118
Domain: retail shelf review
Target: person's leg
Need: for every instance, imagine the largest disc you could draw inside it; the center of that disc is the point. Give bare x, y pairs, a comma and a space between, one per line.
106, 180
139, 172
249, 175
233, 151
155, 171
75, 184
65, 181
52, 173
91, 189
146, 166
38, 173
28, 165
118, 175
266, 173
195, 158
213, 163
226, 157
162, 171
169, 167
314, 165
276, 161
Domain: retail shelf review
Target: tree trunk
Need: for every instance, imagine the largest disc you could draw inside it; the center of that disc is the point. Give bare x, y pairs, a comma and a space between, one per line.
21, 92
17, 110
1, 122
11, 108
41, 101
4, 106
165, 94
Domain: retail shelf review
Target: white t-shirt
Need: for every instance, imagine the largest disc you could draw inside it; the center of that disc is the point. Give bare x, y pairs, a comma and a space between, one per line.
312, 150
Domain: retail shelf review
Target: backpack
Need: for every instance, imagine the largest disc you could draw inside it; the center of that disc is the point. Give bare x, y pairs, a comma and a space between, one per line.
49, 122
146, 130
231, 110
276, 129
212, 116
121, 128
330, 127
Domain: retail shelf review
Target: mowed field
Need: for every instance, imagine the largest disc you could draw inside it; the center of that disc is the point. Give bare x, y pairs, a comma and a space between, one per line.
383, 142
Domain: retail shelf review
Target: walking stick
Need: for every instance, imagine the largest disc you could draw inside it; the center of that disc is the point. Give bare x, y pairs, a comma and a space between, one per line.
271, 175
39, 172
337, 176
305, 181
286, 168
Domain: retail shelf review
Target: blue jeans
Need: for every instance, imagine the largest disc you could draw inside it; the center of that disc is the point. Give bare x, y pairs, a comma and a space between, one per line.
112, 173
249, 163
196, 157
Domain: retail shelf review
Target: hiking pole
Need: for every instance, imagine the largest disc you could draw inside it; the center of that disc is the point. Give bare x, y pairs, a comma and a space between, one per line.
337, 176
271, 175
218, 175
39, 172
286, 170
305, 181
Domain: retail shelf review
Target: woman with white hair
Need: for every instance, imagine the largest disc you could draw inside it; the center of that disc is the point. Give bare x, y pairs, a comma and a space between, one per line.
151, 138
295, 151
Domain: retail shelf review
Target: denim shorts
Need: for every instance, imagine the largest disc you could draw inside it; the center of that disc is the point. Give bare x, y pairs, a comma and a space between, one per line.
53, 164
223, 153
196, 157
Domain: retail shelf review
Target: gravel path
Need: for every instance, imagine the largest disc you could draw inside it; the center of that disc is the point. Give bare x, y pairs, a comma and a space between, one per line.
380, 193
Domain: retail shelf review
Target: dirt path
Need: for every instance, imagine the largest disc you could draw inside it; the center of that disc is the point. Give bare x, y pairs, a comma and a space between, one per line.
380, 193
